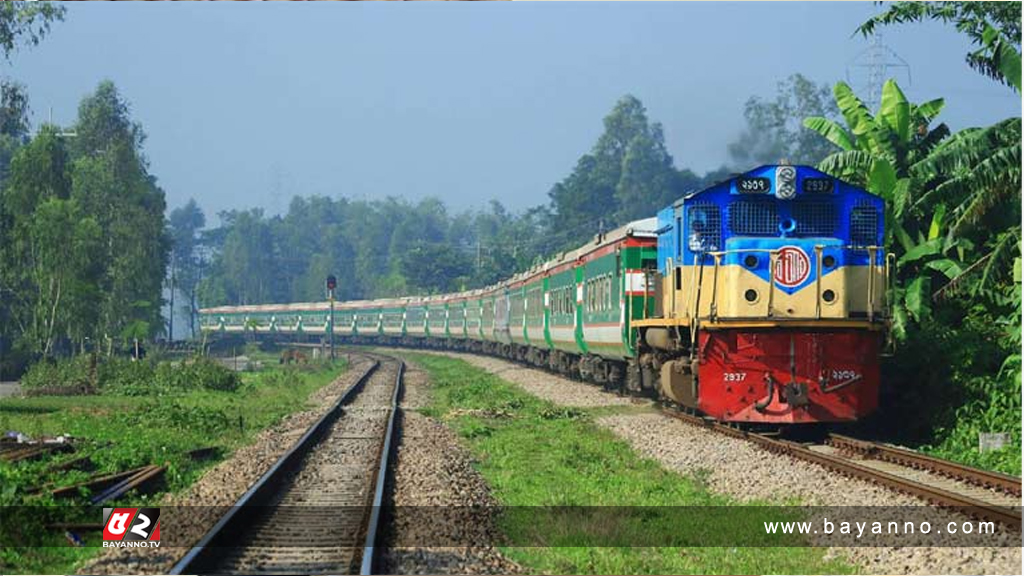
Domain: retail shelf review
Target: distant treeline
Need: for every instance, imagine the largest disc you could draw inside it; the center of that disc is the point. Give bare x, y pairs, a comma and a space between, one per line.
392, 247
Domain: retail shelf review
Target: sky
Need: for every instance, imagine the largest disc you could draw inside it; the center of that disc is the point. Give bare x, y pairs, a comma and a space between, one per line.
248, 104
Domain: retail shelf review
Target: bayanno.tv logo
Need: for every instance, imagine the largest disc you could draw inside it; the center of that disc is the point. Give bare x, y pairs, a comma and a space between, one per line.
131, 527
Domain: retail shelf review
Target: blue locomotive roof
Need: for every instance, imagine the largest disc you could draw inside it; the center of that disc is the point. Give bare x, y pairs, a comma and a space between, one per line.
767, 207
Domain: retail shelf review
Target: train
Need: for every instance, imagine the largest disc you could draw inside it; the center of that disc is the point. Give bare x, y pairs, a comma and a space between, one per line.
760, 300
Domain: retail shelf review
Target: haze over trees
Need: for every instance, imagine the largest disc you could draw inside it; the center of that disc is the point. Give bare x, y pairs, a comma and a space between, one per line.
393, 247
775, 129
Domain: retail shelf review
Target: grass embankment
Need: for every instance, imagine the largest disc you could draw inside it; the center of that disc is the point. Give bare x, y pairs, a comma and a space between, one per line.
128, 426
533, 453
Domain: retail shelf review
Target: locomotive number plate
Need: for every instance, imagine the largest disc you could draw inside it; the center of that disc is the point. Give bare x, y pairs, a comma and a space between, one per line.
845, 375
753, 184
818, 185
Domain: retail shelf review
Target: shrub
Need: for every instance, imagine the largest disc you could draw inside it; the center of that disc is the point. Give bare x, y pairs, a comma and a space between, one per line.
202, 372
126, 377
69, 376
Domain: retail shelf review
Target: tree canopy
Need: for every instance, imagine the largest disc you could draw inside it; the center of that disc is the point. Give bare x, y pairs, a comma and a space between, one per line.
26, 22
84, 250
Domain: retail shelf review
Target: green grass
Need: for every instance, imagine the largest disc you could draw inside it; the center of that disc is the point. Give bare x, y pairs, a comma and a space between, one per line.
533, 453
124, 432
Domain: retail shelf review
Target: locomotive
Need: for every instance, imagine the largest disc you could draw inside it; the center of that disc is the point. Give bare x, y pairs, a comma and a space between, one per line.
762, 299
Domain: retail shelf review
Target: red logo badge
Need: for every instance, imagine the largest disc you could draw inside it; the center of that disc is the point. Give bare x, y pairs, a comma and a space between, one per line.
792, 267
137, 526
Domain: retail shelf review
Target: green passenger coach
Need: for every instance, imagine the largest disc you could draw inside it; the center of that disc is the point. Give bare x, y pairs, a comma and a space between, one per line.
571, 314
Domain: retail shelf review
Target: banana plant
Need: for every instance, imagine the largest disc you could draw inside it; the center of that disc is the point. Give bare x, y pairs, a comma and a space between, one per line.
877, 150
932, 257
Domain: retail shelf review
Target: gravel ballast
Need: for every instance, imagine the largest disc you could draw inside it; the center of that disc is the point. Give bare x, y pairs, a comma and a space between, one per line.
738, 469
432, 471
223, 484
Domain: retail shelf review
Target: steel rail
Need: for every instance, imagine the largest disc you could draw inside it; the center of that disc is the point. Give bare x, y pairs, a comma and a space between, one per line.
369, 546
263, 487
1004, 515
904, 457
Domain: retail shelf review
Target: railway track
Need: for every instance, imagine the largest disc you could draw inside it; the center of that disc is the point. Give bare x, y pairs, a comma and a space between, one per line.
316, 511
978, 493
981, 494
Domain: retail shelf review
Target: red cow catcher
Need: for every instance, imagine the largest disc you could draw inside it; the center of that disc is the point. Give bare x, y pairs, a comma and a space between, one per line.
788, 376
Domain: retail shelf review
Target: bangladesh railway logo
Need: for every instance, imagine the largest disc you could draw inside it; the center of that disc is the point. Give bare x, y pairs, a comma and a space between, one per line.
792, 267
131, 527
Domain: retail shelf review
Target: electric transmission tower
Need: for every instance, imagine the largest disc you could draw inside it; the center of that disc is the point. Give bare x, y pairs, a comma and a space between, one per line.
868, 71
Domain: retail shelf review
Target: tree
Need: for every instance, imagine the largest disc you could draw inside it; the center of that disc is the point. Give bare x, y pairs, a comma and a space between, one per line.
627, 175
580, 203
111, 183
13, 109
938, 189
38, 173
186, 223
49, 266
247, 255
14, 126
62, 244
434, 267
26, 22
774, 127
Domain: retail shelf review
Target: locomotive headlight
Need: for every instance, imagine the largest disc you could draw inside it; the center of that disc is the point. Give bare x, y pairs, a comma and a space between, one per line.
785, 182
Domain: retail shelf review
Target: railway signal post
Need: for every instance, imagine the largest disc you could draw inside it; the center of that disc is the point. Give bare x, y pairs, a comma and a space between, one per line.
332, 283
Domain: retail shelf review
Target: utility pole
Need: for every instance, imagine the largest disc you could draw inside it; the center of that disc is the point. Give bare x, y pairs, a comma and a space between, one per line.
332, 283
170, 317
